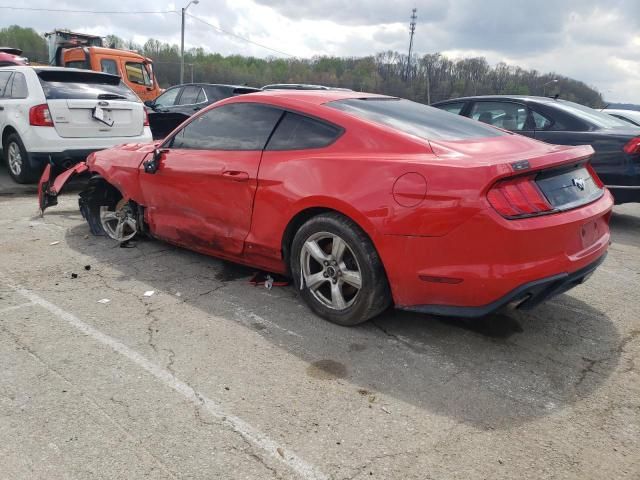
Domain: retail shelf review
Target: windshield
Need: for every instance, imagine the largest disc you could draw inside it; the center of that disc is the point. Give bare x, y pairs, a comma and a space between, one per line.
415, 118
590, 115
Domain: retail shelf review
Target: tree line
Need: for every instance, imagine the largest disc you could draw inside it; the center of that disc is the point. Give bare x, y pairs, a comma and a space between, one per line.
428, 78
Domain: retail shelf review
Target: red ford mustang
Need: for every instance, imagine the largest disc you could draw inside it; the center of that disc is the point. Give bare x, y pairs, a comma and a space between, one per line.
364, 200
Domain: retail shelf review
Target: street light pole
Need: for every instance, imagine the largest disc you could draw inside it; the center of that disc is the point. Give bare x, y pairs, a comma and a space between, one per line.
544, 87
184, 10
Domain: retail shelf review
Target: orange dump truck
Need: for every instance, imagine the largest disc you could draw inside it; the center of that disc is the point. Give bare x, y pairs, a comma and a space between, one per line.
79, 50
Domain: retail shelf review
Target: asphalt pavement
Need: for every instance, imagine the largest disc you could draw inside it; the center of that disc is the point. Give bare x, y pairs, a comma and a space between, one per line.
156, 362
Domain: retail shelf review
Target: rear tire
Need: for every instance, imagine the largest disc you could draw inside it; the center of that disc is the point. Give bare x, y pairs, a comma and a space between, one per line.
342, 277
17, 160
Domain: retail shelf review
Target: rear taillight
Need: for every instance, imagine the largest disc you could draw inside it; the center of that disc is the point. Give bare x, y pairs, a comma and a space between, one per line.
146, 118
632, 146
518, 197
40, 116
594, 175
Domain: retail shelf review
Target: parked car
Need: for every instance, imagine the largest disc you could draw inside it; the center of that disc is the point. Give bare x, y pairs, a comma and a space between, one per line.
365, 200
301, 86
12, 56
60, 115
616, 143
629, 116
178, 103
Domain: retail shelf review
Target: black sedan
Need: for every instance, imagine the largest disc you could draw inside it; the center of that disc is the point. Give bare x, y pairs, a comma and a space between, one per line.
616, 143
178, 103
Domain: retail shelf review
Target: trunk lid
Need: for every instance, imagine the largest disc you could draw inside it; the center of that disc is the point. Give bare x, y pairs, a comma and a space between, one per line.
87, 104
80, 118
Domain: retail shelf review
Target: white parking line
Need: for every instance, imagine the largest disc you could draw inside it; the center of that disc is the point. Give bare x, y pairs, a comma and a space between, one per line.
249, 433
15, 307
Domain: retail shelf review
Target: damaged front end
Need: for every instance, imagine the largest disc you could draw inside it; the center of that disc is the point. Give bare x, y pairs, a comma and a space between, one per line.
50, 186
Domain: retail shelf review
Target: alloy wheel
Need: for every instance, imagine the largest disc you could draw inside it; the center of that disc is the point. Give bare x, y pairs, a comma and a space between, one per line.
330, 270
119, 224
15, 158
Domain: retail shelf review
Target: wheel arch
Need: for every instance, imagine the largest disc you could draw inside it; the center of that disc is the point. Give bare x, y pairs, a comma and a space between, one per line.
307, 212
8, 130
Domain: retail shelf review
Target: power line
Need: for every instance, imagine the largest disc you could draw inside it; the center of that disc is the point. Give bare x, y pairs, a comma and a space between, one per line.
220, 30
120, 12
60, 10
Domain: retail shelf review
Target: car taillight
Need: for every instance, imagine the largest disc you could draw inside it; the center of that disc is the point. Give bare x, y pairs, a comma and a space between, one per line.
594, 175
518, 197
632, 146
40, 116
146, 118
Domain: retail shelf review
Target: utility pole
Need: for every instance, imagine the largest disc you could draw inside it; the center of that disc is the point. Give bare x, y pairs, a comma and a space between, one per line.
412, 31
184, 10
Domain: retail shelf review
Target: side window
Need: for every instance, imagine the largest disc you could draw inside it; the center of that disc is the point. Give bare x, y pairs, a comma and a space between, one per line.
168, 98
238, 126
454, 108
109, 66
506, 115
136, 73
202, 97
297, 132
19, 86
189, 95
541, 122
4, 83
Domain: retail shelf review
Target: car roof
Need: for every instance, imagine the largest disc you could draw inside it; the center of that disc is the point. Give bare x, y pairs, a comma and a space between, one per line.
315, 97
55, 69
195, 84
619, 110
502, 97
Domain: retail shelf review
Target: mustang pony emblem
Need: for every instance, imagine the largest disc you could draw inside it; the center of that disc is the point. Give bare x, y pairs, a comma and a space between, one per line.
578, 182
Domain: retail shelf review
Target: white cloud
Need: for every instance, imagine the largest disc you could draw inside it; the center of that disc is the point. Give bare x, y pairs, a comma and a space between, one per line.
590, 40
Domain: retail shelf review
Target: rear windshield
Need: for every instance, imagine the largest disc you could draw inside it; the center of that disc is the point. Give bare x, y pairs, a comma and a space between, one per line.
415, 118
590, 115
61, 85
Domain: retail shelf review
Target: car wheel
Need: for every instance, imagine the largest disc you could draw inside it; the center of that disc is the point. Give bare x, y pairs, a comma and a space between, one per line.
17, 160
337, 270
107, 213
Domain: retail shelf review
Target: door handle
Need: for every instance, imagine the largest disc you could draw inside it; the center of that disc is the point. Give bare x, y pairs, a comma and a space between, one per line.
1, 107
236, 176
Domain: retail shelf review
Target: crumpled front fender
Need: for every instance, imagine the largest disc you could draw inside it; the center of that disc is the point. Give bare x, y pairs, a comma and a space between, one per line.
49, 188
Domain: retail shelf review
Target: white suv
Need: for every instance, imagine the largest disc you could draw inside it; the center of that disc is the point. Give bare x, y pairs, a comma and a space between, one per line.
61, 115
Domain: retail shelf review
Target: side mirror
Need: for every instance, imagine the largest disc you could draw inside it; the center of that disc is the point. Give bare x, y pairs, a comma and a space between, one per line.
150, 103
151, 166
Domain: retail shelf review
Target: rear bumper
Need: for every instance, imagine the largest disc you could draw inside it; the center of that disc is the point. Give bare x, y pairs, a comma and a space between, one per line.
489, 261
525, 297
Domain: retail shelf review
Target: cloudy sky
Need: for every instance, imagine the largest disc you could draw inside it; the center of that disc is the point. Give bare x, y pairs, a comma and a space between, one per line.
597, 41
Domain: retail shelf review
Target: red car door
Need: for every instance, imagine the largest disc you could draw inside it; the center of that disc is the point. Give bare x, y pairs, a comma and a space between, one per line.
200, 191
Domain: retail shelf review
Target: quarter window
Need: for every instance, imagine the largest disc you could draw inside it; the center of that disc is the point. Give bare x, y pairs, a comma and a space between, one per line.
510, 116
238, 126
19, 86
109, 66
297, 132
